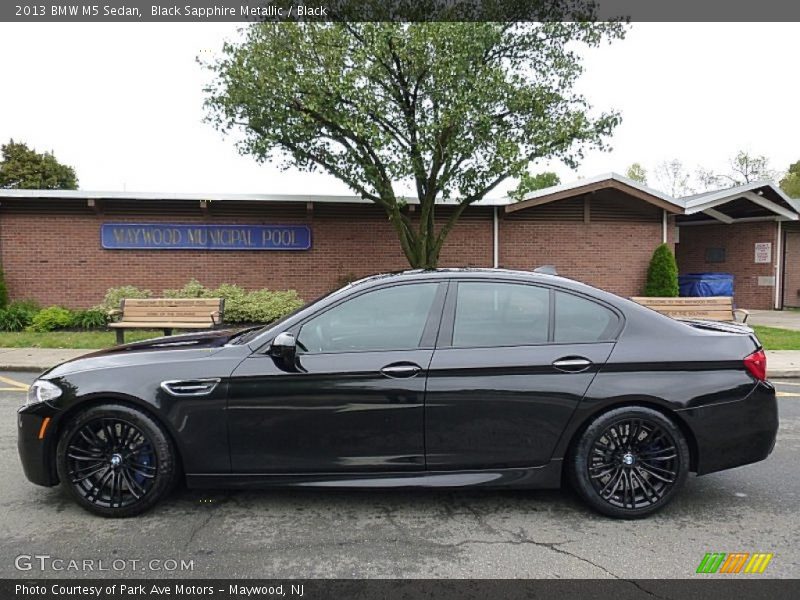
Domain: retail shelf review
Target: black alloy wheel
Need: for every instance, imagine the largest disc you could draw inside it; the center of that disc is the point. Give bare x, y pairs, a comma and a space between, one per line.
115, 461
630, 462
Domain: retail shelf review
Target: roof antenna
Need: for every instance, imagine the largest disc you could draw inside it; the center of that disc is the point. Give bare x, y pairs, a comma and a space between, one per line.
546, 270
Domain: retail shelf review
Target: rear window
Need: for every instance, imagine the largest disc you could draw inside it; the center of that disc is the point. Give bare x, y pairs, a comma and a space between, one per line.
580, 320
500, 314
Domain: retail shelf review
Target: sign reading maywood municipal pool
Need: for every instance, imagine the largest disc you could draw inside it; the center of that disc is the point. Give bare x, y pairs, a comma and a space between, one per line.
170, 236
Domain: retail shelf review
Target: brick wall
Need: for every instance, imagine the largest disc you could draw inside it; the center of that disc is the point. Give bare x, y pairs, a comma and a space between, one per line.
739, 241
51, 252
613, 256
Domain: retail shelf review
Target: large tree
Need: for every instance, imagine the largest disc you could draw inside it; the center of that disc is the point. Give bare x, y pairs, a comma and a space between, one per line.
743, 168
791, 181
449, 109
24, 168
637, 172
674, 178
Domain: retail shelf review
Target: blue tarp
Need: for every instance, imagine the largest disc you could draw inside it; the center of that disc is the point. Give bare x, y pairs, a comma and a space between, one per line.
706, 284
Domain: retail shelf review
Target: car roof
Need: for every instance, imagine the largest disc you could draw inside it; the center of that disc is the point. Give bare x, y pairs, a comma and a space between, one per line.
454, 272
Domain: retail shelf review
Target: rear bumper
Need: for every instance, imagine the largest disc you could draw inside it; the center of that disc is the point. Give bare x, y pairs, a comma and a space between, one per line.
36, 454
732, 434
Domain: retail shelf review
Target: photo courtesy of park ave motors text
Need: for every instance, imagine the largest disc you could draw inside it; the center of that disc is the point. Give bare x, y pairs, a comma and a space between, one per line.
443, 299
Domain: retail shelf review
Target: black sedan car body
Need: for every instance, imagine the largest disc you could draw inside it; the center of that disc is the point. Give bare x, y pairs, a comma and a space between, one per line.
424, 378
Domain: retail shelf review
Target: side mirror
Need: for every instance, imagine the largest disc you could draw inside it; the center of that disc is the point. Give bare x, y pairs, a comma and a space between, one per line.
284, 346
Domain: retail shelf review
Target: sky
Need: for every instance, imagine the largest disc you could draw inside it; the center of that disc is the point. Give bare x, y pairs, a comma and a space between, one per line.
123, 103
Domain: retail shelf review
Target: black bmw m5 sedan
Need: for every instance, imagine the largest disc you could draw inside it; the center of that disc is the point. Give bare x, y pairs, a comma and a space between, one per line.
439, 378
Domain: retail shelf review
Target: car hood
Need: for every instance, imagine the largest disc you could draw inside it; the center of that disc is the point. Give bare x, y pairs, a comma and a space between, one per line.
174, 347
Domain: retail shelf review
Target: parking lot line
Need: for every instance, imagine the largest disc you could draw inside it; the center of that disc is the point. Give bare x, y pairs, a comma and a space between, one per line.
789, 394
16, 386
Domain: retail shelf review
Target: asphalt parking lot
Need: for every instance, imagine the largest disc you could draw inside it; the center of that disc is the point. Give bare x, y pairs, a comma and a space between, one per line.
388, 534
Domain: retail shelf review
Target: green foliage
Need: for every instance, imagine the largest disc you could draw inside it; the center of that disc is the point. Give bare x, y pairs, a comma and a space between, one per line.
637, 172
193, 289
17, 315
241, 306
24, 168
93, 318
115, 295
3, 290
662, 274
530, 183
51, 318
791, 182
452, 107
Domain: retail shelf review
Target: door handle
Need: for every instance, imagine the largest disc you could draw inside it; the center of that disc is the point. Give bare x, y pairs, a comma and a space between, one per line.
401, 370
572, 364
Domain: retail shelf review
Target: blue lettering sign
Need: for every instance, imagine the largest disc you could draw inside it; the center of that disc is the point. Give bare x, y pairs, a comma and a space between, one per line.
170, 236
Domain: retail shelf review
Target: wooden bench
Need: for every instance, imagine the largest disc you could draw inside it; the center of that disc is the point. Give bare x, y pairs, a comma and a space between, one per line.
711, 308
167, 314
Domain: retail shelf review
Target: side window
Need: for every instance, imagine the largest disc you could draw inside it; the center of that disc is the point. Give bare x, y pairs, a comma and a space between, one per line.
386, 319
580, 320
500, 314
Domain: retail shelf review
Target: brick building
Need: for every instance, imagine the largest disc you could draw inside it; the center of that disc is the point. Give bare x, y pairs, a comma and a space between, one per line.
69, 247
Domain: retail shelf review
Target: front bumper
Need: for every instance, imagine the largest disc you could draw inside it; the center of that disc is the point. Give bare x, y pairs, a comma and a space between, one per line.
731, 434
37, 455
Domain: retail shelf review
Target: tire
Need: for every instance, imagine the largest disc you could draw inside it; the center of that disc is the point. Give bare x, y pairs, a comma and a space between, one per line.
629, 463
115, 461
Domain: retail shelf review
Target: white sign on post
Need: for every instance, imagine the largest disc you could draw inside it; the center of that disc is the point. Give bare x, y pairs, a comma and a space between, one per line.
763, 252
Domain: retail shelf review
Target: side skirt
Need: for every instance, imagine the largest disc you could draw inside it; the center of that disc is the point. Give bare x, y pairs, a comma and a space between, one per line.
545, 477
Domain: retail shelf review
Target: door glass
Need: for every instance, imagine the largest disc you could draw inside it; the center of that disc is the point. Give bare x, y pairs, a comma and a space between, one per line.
580, 320
500, 314
387, 319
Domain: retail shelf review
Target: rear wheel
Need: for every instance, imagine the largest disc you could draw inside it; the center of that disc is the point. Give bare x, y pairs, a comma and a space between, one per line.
115, 461
630, 462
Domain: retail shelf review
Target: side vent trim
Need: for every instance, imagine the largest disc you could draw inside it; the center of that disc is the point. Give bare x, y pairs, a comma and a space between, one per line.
190, 387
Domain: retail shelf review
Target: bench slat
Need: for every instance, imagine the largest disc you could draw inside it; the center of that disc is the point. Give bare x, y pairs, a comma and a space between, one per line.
149, 312
130, 302
162, 318
707, 301
159, 325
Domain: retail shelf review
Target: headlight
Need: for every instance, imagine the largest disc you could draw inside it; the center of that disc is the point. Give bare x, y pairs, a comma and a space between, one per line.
42, 390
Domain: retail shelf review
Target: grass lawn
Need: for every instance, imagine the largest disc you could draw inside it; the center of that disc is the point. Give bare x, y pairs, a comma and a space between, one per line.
71, 339
774, 338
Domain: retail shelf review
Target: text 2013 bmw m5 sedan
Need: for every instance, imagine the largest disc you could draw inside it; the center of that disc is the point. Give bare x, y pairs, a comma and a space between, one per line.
426, 378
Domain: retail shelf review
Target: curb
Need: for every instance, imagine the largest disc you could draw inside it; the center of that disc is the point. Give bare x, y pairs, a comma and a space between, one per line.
25, 368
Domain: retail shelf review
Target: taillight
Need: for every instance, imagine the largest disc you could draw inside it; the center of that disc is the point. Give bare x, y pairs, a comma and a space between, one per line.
756, 365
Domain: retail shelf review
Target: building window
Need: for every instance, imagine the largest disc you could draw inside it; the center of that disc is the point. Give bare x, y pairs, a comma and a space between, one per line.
715, 255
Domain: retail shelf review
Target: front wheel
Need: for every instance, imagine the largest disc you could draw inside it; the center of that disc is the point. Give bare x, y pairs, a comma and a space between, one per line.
630, 462
115, 461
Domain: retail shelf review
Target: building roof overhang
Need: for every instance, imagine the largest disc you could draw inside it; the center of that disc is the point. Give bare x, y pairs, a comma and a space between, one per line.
756, 200
600, 182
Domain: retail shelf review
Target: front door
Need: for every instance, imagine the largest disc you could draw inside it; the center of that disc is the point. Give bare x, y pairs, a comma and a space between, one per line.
354, 402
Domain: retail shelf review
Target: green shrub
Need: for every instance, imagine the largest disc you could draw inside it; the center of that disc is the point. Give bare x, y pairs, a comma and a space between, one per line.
115, 295
241, 306
662, 274
3, 290
18, 315
193, 289
51, 318
93, 318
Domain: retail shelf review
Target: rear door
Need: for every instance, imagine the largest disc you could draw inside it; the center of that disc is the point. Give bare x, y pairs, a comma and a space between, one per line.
512, 363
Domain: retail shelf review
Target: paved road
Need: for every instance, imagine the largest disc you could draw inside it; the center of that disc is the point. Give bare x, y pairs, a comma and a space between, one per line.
388, 534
